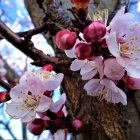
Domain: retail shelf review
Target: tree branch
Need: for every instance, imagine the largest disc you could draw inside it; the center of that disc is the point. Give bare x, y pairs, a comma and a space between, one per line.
27, 47
5, 85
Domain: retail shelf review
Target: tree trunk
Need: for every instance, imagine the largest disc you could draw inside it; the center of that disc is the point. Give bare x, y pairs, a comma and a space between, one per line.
104, 121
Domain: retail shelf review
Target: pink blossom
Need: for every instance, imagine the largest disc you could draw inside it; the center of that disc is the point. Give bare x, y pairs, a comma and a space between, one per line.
50, 79
88, 69
113, 70
105, 89
27, 99
132, 83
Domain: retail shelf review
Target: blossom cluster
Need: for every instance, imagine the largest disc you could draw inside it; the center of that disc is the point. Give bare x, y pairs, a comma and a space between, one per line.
105, 55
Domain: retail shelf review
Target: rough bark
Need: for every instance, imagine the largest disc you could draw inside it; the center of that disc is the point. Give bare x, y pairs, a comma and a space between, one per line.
104, 121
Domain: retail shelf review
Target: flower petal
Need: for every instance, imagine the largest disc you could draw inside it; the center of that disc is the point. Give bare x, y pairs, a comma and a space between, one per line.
122, 24
77, 64
19, 93
70, 53
55, 107
15, 110
35, 86
112, 45
87, 67
89, 75
29, 116
54, 82
44, 104
91, 86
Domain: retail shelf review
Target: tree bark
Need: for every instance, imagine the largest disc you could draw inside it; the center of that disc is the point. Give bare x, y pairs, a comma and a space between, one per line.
104, 121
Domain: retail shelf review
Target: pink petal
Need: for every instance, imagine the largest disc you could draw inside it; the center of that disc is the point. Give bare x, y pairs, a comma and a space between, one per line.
54, 82
55, 107
77, 64
118, 15
113, 70
87, 67
122, 24
15, 110
29, 116
89, 75
70, 53
112, 45
44, 104
35, 86
114, 94
19, 93
91, 86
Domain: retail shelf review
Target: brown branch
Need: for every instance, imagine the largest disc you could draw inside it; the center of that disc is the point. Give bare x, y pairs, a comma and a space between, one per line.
5, 85
27, 47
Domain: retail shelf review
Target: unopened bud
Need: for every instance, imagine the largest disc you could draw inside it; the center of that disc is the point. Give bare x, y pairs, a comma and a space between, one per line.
77, 124
48, 67
37, 126
80, 4
4, 96
82, 50
65, 39
94, 32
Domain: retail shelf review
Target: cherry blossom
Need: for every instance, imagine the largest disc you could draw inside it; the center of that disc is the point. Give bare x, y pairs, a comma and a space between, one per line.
50, 79
113, 70
27, 98
105, 89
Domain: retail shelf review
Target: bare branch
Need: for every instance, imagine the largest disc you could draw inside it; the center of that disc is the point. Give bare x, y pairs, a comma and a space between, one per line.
5, 85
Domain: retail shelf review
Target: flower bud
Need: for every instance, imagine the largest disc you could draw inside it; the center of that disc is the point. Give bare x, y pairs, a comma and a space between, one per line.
37, 126
80, 4
82, 50
4, 96
77, 124
132, 83
94, 32
48, 67
65, 39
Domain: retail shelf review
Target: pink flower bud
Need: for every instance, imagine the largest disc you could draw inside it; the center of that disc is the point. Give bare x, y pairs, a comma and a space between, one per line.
4, 96
48, 67
65, 39
80, 4
94, 32
77, 124
132, 83
82, 50
37, 126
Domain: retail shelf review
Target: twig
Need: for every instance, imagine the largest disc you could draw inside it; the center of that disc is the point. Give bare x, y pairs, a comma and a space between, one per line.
27, 47
5, 85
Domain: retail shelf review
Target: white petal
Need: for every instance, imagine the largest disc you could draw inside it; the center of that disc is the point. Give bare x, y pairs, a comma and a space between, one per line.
15, 110
19, 93
122, 24
25, 77
87, 67
112, 45
70, 53
55, 107
118, 15
54, 82
60, 135
44, 104
77, 64
92, 85
35, 86
29, 116
89, 75
114, 94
